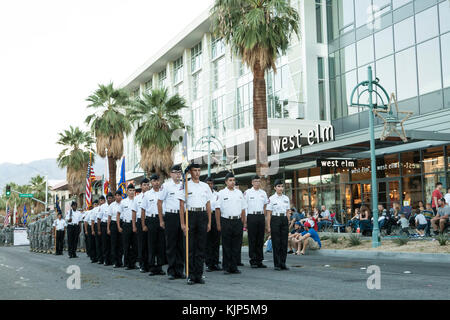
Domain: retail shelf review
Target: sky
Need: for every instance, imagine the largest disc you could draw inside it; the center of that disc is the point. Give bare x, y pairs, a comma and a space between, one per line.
54, 53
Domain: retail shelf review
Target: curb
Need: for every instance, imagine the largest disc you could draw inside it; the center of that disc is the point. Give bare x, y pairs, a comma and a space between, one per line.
411, 256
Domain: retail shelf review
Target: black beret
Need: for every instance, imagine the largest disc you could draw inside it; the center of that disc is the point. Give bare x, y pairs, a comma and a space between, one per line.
278, 182
101, 198
145, 180
73, 204
130, 186
139, 190
95, 201
118, 193
154, 177
193, 166
110, 195
229, 175
256, 177
176, 168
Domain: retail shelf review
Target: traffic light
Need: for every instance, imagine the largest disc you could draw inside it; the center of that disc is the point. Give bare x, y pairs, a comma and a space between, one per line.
8, 191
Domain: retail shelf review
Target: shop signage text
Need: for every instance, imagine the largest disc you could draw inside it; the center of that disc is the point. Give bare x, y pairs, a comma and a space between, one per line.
334, 163
317, 135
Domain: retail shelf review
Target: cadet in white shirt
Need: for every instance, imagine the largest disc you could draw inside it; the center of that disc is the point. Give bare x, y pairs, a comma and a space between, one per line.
73, 229
278, 216
230, 217
150, 224
256, 200
142, 239
169, 219
86, 227
115, 230
102, 217
89, 224
95, 230
128, 234
213, 237
199, 215
60, 226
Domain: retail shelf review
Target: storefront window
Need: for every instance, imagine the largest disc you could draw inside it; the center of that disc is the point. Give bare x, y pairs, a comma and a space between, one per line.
362, 172
314, 176
327, 176
430, 181
388, 166
412, 190
328, 198
433, 160
314, 197
410, 163
342, 175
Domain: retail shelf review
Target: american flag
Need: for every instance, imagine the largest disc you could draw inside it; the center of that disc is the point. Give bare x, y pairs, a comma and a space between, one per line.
6, 221
90, 177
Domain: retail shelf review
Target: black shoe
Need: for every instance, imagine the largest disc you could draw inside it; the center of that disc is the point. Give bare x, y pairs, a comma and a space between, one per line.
142, 270
94, 261
180, 276
277, 268
240, 264
290, 252
201, 281
218, 268
211, 268
129, 268
227, 272
172, 277
100, 262
75, 256
283, 267
237, 271
253, 266
190, 281
262, 266
117, 266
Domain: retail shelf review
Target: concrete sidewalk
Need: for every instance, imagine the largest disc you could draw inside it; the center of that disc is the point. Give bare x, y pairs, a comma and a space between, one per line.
405, 256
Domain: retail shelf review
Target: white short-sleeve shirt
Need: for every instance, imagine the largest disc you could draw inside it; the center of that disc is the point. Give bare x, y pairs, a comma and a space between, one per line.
199, 194
230, 202
256, 199
76, 217
150, 202
113, 209
170, 195
278, 204
125, 209
60, 224
103, 212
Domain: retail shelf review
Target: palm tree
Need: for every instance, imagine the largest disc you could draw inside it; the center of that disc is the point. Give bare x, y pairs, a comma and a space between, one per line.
109, 124
258, 31
37, 187
75, 158
156, 117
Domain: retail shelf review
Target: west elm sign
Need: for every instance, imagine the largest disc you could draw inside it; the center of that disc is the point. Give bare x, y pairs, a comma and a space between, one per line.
314, 136
335, 163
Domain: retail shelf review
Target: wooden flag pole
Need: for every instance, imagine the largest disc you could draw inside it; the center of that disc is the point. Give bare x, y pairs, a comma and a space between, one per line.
187, 225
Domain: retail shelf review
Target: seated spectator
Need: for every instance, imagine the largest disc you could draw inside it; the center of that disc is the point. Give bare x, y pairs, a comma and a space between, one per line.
365, 223
310, 220
308, 239
421, 222
428, 213
295, 217
441, 218
293, 236
383, 219
404, 223
324, 219
354, 222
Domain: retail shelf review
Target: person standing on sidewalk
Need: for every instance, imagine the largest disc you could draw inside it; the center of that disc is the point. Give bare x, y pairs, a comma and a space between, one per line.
256, 200
278, 214
435, 196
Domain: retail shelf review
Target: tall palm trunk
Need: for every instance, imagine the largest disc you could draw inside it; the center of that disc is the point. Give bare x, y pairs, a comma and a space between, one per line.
112, 166
260, 125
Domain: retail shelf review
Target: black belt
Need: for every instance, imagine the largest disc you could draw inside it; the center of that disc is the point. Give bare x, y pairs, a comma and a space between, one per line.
232, 218
173, 211
257, 213
151, 216
197, 209
279, 214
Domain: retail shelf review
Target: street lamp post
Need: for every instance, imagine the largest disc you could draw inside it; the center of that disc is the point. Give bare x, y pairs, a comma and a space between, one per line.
208, 140
370, 84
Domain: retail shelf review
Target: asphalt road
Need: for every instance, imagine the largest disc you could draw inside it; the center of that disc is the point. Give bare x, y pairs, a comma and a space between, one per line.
27, 275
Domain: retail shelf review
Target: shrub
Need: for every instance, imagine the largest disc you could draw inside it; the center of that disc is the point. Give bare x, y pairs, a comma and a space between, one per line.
442, 239
334, 239
354, 240
401, 241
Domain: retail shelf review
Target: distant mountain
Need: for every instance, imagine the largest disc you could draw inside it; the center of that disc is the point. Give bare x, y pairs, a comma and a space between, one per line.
22, 173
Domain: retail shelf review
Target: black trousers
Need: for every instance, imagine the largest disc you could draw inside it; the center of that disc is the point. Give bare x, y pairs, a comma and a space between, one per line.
116, 244
92, 245
279, 232
106, 243
129, 244
142, 246
198, 227
174, 244
212, 244
73, 232
98, 244
87, 241
59, 241
156, 244
256, 230
231, 242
